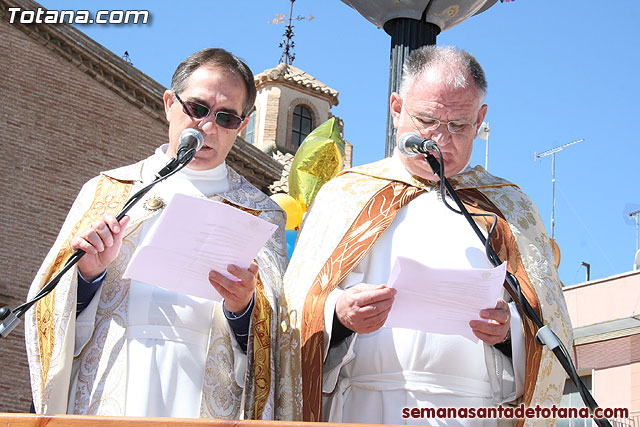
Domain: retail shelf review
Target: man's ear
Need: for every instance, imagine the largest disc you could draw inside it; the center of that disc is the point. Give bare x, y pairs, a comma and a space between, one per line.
168, 100
244, 124
481, 115
395, 106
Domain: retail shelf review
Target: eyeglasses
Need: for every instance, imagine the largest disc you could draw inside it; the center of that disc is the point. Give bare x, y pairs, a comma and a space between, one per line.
454, 126
198, 111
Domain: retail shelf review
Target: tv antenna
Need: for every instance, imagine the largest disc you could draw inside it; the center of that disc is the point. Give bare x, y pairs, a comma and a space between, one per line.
287, 42
553, 152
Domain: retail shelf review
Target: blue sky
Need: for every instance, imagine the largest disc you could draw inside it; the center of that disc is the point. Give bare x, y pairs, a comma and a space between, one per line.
557, 71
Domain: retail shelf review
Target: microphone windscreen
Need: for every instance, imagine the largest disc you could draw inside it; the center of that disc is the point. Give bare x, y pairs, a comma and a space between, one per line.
407, 140
191, 138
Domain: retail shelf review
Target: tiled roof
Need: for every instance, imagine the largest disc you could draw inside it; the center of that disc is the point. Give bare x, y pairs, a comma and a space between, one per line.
288, 74
131, 84
282, 185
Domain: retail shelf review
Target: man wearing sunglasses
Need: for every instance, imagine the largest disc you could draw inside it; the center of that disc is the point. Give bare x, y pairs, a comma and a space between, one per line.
352, 368
138, 350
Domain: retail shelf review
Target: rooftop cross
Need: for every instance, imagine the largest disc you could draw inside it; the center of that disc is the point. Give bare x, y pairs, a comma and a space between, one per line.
287, 43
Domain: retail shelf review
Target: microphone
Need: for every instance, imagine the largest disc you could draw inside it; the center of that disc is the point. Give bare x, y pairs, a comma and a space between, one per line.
189, 139
410, 144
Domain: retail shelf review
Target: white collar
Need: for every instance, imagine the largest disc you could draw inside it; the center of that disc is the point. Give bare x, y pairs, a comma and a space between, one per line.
217, 173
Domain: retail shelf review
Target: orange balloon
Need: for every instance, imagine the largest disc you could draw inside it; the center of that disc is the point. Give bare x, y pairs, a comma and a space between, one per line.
291, 207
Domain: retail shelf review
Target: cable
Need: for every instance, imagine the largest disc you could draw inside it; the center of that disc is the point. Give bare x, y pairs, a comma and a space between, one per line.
444, 191
170, 170
544, 336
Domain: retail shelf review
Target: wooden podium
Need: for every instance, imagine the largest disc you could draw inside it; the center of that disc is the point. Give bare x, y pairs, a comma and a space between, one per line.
33, 420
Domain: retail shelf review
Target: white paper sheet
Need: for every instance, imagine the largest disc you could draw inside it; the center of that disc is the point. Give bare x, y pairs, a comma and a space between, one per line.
441, 301
192, 237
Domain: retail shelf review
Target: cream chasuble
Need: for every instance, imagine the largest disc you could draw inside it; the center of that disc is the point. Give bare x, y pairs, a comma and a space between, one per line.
143, 351
391, 374
168, 332
396, 368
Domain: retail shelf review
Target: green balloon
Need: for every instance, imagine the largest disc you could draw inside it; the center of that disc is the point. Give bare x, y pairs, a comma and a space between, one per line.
319, 158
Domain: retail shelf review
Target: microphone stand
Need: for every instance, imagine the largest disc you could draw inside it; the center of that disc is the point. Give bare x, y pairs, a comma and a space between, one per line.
9, 319
544, 336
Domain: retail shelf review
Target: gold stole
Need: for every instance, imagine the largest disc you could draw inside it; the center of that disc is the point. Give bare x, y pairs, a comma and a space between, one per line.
374, 218
261, 326
109, 198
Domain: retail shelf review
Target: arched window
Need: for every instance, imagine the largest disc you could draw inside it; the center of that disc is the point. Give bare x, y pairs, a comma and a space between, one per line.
250, 130
301, 126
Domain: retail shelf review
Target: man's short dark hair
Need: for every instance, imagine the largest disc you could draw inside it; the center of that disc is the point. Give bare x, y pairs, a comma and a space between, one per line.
218, 58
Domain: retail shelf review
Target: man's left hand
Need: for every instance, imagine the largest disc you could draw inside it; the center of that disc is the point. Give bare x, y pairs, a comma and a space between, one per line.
496, 327
237, 294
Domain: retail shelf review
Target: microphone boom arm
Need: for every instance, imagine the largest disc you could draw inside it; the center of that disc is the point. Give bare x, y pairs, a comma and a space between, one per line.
9, 319
544, 336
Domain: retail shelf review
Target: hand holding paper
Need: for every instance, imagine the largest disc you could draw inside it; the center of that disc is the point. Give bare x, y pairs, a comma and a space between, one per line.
363, 308
495, 328
192, 237
442, 301
237, 293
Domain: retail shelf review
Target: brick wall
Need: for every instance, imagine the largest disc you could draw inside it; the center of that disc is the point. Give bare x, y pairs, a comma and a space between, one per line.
271, 119
58, 128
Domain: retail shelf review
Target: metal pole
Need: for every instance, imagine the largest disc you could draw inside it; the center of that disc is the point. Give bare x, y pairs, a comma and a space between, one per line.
588, 266
486, 155
553, 201
483, 133
635, 215
406, 35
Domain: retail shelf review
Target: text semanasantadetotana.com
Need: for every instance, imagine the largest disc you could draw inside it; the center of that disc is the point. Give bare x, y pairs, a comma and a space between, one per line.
514, 412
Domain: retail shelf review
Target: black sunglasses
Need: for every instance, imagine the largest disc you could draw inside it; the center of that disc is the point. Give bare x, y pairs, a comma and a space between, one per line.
199, 111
